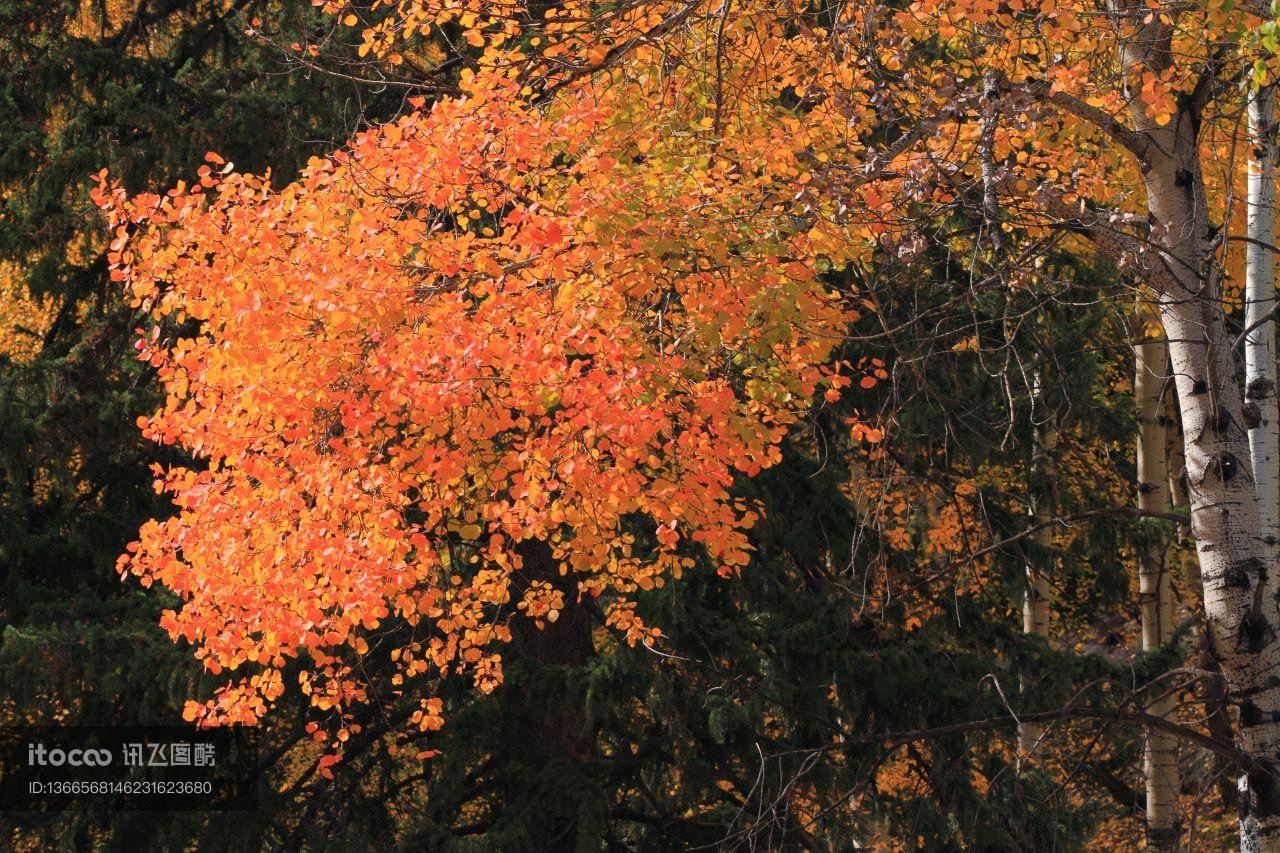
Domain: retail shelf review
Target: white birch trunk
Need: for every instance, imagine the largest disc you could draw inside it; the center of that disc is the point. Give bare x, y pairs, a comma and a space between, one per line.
1260, 415
1155, 589
1234, 566
1263, 415
1213, 692
1035, 604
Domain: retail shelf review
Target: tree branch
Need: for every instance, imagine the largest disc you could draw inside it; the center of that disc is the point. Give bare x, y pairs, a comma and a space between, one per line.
1227, 751
1135, 141
1089, 515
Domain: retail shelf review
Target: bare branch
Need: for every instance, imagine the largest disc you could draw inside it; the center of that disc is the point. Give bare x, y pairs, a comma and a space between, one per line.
1112, 512
1227, 751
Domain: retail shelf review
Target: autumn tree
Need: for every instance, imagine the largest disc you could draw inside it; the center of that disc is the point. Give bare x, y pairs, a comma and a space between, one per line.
636, 399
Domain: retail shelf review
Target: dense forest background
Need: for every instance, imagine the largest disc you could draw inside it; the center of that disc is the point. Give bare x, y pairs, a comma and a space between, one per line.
859, 685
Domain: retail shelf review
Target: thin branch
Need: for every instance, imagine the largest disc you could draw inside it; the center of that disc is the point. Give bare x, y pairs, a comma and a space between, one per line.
1089, 515
1227, 751
1266, 318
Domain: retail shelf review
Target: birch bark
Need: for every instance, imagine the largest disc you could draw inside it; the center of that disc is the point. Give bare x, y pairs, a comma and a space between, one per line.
1035, 604
1262, 416
1155, 589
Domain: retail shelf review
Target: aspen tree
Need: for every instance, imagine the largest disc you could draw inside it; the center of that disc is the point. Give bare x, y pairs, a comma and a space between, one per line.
1160, 763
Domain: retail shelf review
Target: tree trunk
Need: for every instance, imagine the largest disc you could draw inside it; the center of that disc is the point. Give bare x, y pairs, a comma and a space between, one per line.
1213, 690
1035, 603
1155, 588
1262, 416
545, 708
